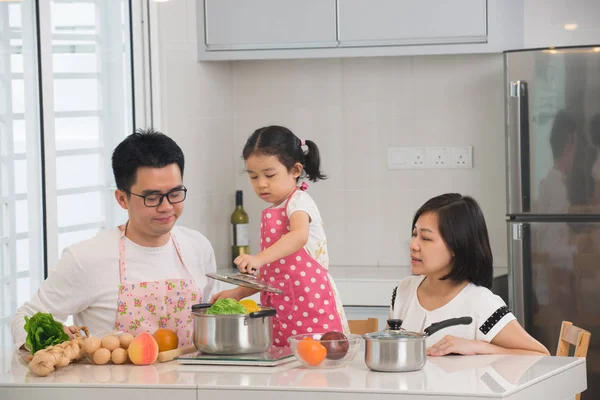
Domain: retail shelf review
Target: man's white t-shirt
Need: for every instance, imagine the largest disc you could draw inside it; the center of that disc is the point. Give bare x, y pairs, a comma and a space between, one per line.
489, 312
86, 279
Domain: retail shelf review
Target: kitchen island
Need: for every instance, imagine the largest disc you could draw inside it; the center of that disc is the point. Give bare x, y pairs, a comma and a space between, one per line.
451, 377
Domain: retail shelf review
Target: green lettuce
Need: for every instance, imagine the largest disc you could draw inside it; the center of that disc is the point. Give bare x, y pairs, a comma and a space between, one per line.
43, 331
227, 306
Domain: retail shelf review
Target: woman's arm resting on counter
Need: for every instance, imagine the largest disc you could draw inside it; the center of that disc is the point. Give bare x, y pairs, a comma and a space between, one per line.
512, 339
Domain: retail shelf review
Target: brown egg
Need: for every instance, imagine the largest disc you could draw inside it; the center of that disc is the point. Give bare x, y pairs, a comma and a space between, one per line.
119, 356
91, 344
101, 356
125, 339
110, 342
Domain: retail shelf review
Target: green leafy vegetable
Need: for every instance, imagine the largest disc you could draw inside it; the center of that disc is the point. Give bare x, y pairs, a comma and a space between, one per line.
227, 306
43, 331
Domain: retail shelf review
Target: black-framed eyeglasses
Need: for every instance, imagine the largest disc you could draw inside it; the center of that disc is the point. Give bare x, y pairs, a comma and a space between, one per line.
155, 199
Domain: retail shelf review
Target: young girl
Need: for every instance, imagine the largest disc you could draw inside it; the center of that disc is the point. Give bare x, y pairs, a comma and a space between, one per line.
451, 262
293, 247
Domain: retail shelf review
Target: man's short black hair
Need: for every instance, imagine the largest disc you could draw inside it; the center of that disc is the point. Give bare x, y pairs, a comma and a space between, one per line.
144, 148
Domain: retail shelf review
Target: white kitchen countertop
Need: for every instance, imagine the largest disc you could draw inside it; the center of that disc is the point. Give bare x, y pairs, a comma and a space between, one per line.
364, 285
464, 377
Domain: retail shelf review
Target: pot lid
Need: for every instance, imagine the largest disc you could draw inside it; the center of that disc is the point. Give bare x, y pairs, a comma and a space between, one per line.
393, 335
394, 332
246, 280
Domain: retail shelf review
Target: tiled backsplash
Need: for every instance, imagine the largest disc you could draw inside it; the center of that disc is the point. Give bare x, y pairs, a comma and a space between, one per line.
354, 109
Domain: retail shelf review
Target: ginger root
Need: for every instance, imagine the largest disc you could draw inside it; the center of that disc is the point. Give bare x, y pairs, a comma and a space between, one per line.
46, 360
42, 363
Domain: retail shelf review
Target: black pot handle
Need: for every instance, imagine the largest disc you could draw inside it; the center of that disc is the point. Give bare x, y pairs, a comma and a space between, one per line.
394, 324
201, 306
436, 326
263, 313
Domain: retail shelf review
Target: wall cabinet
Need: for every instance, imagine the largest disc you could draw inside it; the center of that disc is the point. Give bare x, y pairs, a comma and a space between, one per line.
263, 29
269, 24
393, 22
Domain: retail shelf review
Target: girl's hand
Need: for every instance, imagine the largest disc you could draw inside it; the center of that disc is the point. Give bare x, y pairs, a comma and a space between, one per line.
248, 264
453, 345
226, 294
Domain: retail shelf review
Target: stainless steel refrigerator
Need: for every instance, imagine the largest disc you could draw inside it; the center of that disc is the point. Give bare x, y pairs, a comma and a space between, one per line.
553, 193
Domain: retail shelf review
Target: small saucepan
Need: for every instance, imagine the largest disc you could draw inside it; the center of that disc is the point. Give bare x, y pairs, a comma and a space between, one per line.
398, 350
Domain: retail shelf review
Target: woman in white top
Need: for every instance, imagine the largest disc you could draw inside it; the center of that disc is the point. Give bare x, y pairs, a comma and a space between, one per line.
451, 261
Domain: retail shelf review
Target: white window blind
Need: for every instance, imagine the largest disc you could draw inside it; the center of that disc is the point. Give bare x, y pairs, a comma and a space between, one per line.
66, 100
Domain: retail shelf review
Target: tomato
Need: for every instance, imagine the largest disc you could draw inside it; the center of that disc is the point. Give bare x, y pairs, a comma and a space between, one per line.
311, 351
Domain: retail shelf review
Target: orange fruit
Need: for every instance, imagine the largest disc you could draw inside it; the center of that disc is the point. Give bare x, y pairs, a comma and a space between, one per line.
166, 339
311, 351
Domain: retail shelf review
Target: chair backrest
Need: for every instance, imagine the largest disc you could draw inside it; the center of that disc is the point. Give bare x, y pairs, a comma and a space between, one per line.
362, 326
572, 335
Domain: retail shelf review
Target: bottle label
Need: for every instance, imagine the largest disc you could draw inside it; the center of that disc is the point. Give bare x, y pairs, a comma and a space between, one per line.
240, 235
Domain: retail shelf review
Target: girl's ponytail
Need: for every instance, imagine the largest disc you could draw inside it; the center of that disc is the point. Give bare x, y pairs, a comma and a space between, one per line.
312, 162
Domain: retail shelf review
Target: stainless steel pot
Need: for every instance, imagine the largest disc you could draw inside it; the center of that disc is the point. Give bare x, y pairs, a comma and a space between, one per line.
232, 333
398, 350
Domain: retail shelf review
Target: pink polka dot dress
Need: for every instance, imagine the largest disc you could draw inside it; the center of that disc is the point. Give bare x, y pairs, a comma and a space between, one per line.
307, 303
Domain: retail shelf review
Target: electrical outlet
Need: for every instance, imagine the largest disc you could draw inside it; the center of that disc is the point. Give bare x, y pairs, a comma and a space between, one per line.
438, 157
417, 157
406, 157
462, 157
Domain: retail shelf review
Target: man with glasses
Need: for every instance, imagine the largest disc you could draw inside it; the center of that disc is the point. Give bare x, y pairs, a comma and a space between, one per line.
145, 274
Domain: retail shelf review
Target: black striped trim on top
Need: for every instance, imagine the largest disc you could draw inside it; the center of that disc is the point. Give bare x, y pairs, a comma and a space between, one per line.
493, 320
394, 296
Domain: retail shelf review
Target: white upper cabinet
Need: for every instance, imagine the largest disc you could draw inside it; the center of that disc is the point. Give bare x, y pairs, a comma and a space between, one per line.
401, 22
262, 29
269, 24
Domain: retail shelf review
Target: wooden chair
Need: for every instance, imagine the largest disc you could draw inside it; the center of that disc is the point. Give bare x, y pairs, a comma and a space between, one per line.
362, 326
572, 335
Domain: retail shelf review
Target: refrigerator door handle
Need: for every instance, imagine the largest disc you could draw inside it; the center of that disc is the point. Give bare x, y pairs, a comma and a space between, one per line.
518, 170
519, 291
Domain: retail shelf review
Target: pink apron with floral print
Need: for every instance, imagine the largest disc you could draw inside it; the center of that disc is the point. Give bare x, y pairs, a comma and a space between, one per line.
307, 303
147, 306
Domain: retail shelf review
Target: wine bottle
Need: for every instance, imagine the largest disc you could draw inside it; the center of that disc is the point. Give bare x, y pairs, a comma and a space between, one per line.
239, 229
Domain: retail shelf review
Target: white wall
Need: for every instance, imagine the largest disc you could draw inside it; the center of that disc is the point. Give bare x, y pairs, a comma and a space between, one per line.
544, 23
353, 109
197, 112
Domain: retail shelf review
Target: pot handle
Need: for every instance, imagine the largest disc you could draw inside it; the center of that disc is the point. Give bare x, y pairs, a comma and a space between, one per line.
436, 326
263, 313
201, 306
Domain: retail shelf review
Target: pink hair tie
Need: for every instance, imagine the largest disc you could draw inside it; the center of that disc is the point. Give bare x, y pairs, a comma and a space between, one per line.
302, 142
